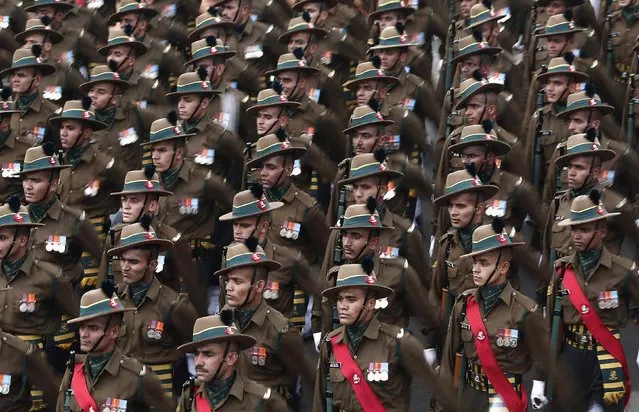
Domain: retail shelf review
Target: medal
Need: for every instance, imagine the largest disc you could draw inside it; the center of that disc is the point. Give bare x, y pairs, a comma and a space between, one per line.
6, 384
157, 335
91, 190
297, 168
384, 372
149, 333
370, 376
500, 342
261, 352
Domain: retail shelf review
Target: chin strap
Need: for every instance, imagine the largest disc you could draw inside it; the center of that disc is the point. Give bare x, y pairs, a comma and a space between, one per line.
361, 310
487, 282
106, 326
219, 367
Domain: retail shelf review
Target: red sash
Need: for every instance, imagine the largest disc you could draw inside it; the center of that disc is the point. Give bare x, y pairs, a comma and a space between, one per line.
81, 391
201, 404
489, 364
595, 326
354, 375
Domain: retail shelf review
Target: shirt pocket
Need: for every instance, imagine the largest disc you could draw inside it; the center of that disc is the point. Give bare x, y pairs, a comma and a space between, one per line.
335, 373
29, 309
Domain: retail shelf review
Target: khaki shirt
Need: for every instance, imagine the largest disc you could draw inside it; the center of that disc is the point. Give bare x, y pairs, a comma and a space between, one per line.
25, 365
245, 395
622, 38
122, 138
451, 271
414, 94
229, 110
40, 286
13, 151
142, 338
123, 378
33, 125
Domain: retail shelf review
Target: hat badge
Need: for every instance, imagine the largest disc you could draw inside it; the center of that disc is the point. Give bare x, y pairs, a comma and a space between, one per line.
5, 105
301, 63
488, 137
571, 24
403, 38
483, 45
256, 258
592, 102
177, 130
373, 220
379, 116
140, 6
213, 49
476, 181
148, 184
491, 13
382, 166
261, 204
601, 210
595, 146
571, 68
480, 335
52, 160
502, 239
380, 72
86, 114
229, 331
18, 217
282, 98
284, 145
150, 235
205, 85
116, 76
113, 302
371, 279
311, 25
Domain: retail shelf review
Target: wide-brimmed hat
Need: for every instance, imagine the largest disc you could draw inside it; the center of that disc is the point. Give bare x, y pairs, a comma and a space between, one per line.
249, 254
271, 97
585, 100
362, 216
476, 84
482, 12
211, 329
369, 71
7, 105
292, 62
79, 110
145, 181
473, 45
587, 208
397, 6
562, 66
393, 37
105, 74
490, 237
99, 302
560, 24
369, 165
366, 115
463, 181
60, 4
166, 129
299, 5
131, 6
123, 37
139, 235
209, 20
568, 3
274, 145
480, 135
29, 58
13, 214
252, 202
302, 24
41, 158
39, 26
194, 83
358, 276
209, 47
584, 144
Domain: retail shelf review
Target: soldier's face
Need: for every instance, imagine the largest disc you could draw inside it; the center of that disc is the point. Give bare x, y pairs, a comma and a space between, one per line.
137, 266
267, 119
476, 109
391, 58
39, 186
208, 359
354, 242
463, 208
136, 21
92, 330
34, 39
24, 80
556, 88
275, 172
557, 45
6, 239
315, 11
365, 91
364, 139
483, 266
300, 40
292, 83
165, 155
50, 11
349, 304
477, 155
123, 56
70, 132
558, 7
625, 3
101, 95
580, 169
465, 6
188, 105
230, 10
238, 286
579, 121
388, 19
369, 187
588, 236
244, 228
468, 66
133, 204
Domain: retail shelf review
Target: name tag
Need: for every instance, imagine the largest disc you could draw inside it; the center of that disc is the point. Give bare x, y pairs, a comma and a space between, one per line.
608, 300
464, 325
507, 338
545, 132
614, 34
335, 365
127, 136
52, 93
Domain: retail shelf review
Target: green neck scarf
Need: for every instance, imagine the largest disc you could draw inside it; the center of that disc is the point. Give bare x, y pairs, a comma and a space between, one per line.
38, 210
490, 295
485, 176
24, 102
356, 333
74, 155
106, 116
277, 193
584, 190
466, 236
97, 364
127, 74
219, 390
11, 269
560, 106
138, 292
629, 14
4, 136
588, 259
190, 125
170, 177
244, 316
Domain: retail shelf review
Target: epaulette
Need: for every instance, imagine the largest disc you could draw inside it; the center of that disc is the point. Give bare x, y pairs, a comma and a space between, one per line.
625, 263
79, 213
565, 259
305, 198
344, 163
392, 330
50, 268
133, 365
279, 322
464, 294
528, 304
16, 343
398, 262
332, 333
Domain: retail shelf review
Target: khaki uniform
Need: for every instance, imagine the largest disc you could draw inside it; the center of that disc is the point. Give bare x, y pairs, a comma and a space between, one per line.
224, 113
622, 38
414, 94
124, 379
13, 151
80, 23
278, 356
18, 19
62, 85
34, 123
24, 364
451, 272
146, 93
121, 139
245, 395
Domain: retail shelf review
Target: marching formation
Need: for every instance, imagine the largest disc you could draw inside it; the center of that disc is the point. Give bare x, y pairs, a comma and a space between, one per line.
238, 205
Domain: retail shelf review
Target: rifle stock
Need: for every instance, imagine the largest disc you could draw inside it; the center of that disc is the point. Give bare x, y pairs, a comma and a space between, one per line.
630, 121
556, 327
68, 394
538, 167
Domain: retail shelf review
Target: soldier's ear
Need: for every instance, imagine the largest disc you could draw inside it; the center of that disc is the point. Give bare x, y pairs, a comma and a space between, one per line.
283, 121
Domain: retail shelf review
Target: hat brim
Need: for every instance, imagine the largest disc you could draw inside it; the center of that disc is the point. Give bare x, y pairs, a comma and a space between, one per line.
269, 265
487, 50
225, 55
315, 31
490, 249
160, 192
390, 174
64, 5
162, 244
244, 342
361, 227
374, 15
41, 169
93, 124
487, 190
392, 46
497, 146
382, 123
195, 34
568, 222
296, 152
165, 139
560, 33
122, 84
139, 48
603, 108
352, 84
579, 77
380, 290
569, 3
310, 70
258, 106
272, 206
209, 93
488, 87
98, 315
605, 154
115, 17
53, 35
44, 68
496, 17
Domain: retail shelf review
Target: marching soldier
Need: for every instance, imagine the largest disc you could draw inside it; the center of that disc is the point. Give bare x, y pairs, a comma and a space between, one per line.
278, 356
218, 386
13, 147
618, 40
105, 378
163, 318
588, 296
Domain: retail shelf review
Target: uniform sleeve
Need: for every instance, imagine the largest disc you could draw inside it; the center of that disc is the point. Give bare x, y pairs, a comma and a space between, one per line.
295, 357
527, 201
230, 144
417, 296
319, 160
319, 396
317, 231
549, 185
153, 394
529, 144
184, 404
418, 258
275, 403
328, 133
633, 282
439, 277
430, 107
41, 375
65, 298
89, 238
217, 191
64, 385
180, 262
183, 316
452, 342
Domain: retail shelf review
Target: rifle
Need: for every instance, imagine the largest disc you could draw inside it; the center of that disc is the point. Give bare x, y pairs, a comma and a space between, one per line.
558, 184
448, 78
329, 385
110, 274
68, 394
461, 362
609, 45
341, 207
533, 30
556, 325
630, 122
449, 118
538, 167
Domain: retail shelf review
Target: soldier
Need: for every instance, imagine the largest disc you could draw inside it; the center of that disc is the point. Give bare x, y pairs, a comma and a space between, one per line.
278, 356
217, 348
163, 318
22, 365
498, 331
592, 274
26, 73
12, 147
92, 176
105, 377
366, 364
618, 40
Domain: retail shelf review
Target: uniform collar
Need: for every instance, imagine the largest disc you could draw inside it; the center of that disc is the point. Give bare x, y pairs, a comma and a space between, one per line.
260, 314
153, 292
505, 296
371, 332
112, 366
54, 209
26, 267
237, 390
184, 172
604, 260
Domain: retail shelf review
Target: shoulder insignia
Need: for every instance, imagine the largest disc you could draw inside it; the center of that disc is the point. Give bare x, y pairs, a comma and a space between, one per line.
405, 264
519, 181
331, 74
246, 99
58, 110
400, 334
267, 394
508, 97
